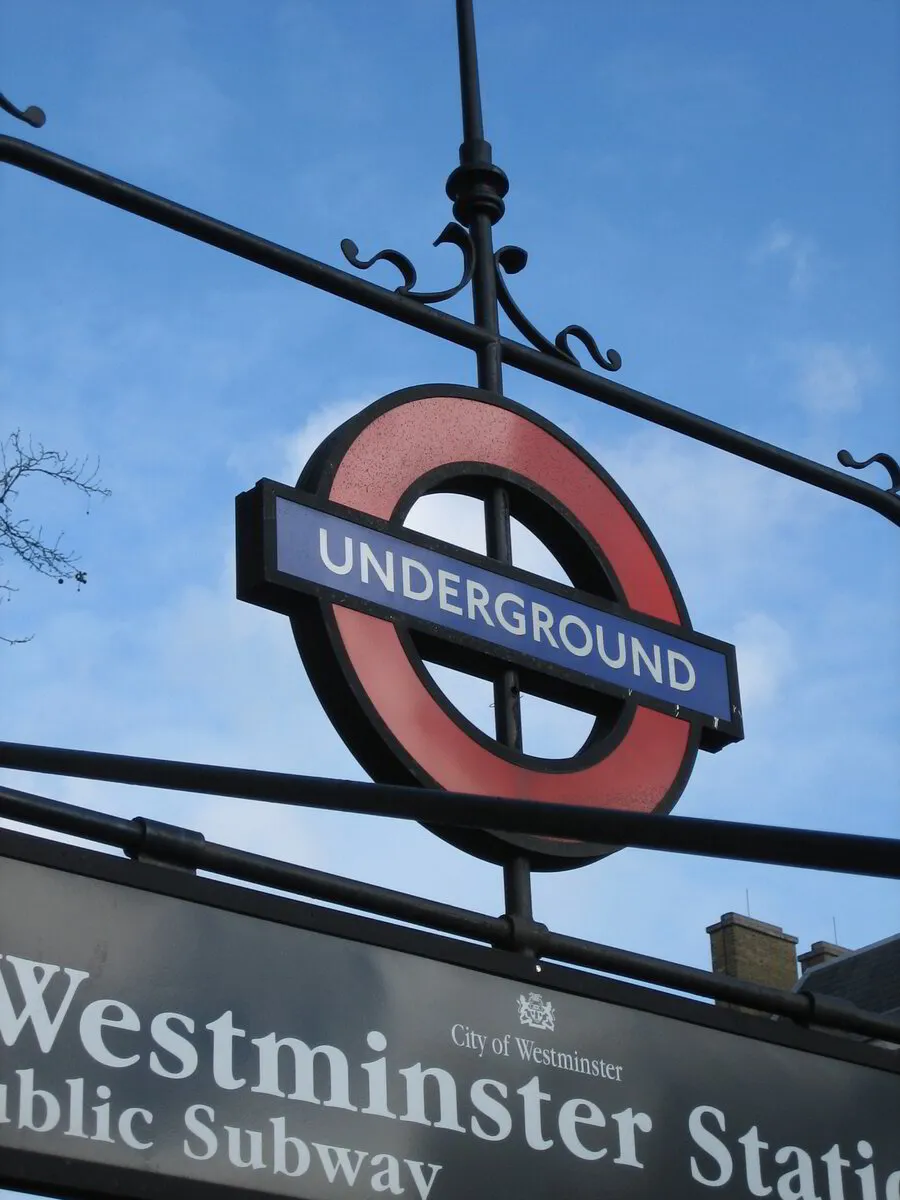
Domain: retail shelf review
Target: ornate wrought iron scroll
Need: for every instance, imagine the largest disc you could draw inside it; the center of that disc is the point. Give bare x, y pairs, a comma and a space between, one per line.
512, 260
451, 233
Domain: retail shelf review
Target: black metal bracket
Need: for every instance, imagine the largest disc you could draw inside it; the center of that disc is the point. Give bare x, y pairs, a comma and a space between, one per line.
167, 845
512, 260
451, 233
477, 185
524, 936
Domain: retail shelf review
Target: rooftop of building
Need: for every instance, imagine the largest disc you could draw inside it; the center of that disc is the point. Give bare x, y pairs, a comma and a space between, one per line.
869, 977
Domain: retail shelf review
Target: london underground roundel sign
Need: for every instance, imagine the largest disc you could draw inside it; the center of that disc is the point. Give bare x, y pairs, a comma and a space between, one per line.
371, 600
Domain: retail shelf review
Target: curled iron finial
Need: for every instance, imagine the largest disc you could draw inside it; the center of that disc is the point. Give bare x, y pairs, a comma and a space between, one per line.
451, 233
32, 115
512, 260
846, 459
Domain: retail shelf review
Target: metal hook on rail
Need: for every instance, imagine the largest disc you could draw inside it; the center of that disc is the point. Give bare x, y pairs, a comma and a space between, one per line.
846, 459
32, 115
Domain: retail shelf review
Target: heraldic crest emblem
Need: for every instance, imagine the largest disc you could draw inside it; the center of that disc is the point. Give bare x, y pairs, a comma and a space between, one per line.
537, 1012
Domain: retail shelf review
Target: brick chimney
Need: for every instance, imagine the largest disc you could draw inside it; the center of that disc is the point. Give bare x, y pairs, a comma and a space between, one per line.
818, 953
753, 951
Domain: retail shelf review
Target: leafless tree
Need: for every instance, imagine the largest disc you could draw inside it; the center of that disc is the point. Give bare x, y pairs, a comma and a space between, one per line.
23, 459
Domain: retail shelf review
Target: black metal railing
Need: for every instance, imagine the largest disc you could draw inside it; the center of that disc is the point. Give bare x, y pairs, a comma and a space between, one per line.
154, 841
410, 311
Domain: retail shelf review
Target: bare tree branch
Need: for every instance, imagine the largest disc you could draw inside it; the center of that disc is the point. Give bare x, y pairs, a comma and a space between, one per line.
22, 459
11, 641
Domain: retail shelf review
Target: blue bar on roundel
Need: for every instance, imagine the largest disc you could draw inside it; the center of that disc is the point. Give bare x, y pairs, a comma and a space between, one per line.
380, 568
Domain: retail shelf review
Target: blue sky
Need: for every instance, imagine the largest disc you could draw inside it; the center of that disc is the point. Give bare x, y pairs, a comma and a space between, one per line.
709, 188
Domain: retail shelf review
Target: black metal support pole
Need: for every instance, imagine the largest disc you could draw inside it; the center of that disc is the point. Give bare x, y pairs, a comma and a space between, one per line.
478, 188
517, 893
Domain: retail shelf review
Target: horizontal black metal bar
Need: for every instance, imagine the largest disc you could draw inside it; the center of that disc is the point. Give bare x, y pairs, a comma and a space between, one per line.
815, 849
239, 242
701, 429
70, 819
197, 853
330, 279
130, 836
804, 1006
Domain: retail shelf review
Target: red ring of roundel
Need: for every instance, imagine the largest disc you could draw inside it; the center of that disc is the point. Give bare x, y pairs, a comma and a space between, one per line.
647, 768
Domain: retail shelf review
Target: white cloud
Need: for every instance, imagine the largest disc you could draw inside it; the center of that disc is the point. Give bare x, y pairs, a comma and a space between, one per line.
765, 657
830, 378
723, 524
799, 255
297, 447
152, 104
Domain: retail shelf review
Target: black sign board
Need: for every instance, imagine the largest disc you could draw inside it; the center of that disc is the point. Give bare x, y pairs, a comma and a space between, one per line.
168, 1036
